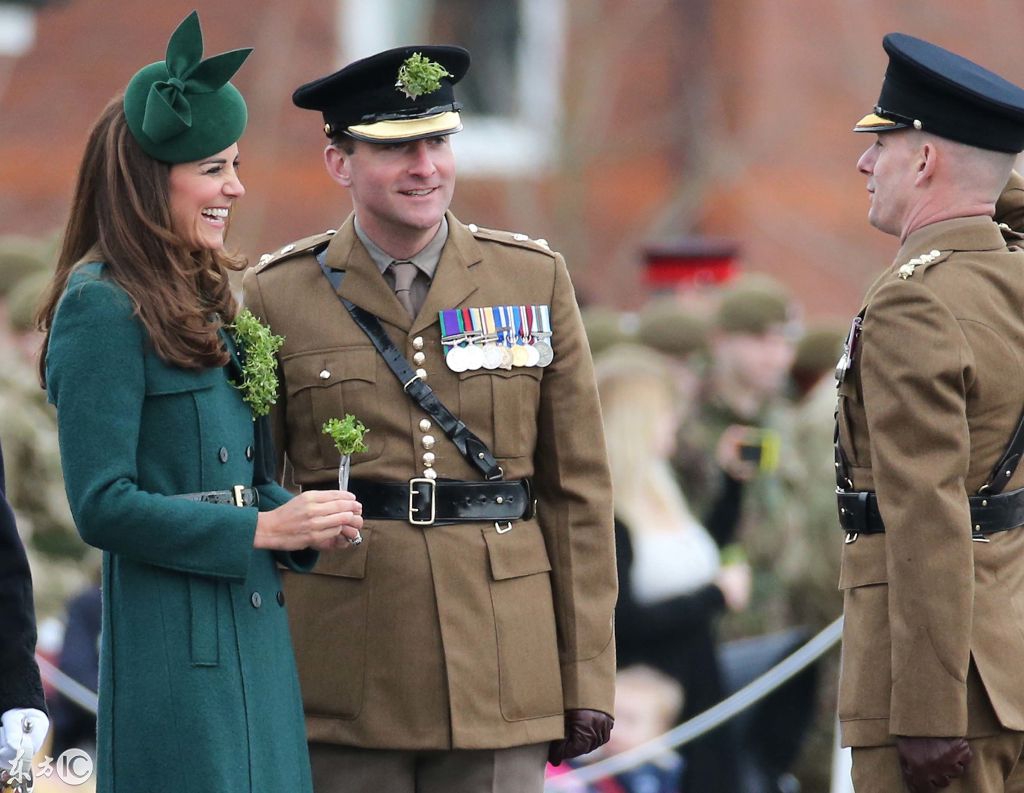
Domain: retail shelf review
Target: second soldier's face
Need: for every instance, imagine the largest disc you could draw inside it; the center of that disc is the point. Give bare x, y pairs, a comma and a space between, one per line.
400, 191
890, 164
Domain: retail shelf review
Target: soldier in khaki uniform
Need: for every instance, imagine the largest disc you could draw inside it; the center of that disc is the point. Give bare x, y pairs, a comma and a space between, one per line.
930, 395
472, 628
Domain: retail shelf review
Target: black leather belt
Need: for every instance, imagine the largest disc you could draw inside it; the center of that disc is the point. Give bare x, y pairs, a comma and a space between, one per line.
859, 514
237, 496
431, 502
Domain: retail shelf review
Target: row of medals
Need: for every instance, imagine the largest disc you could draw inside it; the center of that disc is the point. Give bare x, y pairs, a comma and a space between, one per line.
503, 349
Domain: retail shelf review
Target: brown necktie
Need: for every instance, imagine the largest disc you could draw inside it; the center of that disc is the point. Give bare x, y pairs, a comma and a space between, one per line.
405, 274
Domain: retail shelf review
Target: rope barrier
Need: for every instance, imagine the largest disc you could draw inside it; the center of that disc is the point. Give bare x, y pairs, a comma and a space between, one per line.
704, 722
68, 686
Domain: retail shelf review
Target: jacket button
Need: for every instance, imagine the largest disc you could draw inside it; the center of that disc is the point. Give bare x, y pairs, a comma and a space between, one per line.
280, 598
222, 455
256, 599
249, 453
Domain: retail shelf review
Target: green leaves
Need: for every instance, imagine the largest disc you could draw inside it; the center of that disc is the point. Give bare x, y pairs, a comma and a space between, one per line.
347, 434
420, 75
259, 362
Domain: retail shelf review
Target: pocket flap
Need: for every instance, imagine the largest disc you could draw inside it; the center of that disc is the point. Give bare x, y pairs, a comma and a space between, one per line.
324, 368
864, 562
347, 562
518, 552
536, 372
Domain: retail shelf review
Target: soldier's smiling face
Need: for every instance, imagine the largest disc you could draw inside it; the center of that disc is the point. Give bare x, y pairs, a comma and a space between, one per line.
202, 194
400, 191
891, 165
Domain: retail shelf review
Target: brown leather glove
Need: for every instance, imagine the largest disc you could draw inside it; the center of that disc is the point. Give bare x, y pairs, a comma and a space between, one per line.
585, 730
930, 763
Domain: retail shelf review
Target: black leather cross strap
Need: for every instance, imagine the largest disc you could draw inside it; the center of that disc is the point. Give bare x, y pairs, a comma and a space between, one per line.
471, 447
1004, 469
237, 496
990, 514
432, 502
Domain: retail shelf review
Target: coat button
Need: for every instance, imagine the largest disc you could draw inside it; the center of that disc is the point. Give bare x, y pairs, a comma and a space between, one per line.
280, 598
428, 442
424, 425
417, 343
249, 453
419, 358
222, 455
256, 599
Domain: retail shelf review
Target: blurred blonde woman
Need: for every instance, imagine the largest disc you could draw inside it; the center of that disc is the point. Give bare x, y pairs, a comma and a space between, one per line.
672, 584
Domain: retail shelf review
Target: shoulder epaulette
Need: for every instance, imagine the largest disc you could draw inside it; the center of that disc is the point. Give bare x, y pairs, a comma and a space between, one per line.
293, 249
918, 263
510, 238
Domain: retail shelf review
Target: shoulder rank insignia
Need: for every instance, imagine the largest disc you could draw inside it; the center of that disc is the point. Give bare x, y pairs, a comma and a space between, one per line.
293, 249
907, 269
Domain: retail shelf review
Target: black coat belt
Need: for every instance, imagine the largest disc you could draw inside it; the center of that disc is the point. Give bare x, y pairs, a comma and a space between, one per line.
859, 514
237, 496
431, 502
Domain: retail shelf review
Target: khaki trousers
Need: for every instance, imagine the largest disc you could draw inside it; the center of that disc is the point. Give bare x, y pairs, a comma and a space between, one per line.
347, 769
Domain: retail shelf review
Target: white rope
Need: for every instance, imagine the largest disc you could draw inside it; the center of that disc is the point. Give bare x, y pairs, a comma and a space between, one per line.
68, 686
704, 722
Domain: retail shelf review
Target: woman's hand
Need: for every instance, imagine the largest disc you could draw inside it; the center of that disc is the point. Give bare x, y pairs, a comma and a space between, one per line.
314, 519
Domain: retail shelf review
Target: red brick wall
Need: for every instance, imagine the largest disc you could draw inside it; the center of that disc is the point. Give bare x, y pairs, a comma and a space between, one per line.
724, 117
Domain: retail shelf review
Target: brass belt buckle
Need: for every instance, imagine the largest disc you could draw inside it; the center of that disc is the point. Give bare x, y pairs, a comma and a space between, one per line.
238, 495
413, 492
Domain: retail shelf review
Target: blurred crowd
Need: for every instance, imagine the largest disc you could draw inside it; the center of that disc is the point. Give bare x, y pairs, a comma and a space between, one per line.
718, 408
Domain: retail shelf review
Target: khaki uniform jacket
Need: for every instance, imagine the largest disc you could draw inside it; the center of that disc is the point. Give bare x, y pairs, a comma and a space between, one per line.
929, 406
450, 636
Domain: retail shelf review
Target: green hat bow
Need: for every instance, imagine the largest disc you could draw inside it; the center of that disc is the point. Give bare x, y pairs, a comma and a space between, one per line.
184, 108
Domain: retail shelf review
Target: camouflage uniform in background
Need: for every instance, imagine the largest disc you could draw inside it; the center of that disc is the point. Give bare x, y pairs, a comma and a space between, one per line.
61, 563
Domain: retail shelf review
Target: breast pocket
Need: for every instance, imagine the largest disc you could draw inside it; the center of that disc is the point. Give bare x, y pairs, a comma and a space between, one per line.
501, 407
327, 384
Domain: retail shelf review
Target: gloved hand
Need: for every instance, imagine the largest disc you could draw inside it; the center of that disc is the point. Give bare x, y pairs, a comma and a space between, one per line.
930, 763
585, 730
21, 727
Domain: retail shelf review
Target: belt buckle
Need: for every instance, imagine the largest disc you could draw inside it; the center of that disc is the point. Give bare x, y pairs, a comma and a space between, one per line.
413, 492
238, 495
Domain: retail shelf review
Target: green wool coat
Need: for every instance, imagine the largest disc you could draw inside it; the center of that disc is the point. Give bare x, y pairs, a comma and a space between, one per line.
198, 688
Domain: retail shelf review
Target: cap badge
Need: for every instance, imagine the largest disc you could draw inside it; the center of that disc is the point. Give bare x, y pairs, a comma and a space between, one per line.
419, 75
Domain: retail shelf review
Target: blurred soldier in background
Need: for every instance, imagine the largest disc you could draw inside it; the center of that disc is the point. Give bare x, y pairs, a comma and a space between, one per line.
35, 486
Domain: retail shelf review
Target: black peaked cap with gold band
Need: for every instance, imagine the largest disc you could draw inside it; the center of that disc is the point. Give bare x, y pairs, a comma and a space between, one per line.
395, 96
929, 88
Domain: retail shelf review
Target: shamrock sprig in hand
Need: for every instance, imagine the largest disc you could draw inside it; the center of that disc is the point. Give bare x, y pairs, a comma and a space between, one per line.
258, 353
347, 434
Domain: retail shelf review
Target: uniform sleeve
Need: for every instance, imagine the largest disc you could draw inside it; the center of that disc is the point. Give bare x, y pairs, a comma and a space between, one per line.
574, 508
20, 686
915, 369
95, 372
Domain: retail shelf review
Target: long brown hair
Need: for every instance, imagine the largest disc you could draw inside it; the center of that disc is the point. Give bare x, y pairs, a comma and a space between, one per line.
121, 208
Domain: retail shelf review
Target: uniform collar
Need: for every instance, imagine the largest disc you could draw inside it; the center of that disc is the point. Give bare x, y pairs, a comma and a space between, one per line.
978, 233
426, 260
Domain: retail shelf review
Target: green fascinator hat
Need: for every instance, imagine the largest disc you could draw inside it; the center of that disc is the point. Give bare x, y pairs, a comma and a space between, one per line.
183, 108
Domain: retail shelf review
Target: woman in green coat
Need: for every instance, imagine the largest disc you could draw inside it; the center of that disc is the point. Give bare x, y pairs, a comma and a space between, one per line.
164, 465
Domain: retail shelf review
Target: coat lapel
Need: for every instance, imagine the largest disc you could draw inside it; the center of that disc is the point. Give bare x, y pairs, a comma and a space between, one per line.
454, 281
363, 284
234, 364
